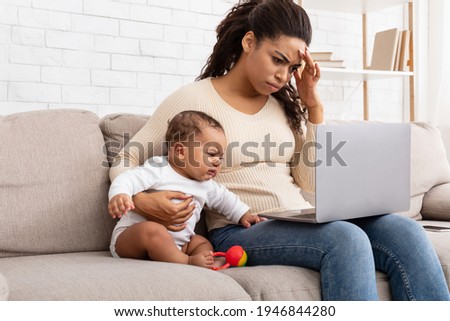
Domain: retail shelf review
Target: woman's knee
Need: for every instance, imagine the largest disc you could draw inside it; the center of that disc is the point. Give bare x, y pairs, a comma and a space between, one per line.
347, 249
404, 223
350, 238
396, 230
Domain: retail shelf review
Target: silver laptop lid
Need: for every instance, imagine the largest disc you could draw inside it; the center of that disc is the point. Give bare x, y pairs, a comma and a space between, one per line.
362, 170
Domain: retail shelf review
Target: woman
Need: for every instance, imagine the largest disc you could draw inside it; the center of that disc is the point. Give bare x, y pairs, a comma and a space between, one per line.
246, 86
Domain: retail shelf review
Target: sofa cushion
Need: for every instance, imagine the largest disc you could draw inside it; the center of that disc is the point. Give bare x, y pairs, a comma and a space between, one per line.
289, 283
54, 183
4, 291
436, 203
441, 243
98, 276
429, 166
118, 129
426, 170
276, 282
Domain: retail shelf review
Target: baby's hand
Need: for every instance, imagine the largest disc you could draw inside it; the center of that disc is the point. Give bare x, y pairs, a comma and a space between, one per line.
248, 219
119, 205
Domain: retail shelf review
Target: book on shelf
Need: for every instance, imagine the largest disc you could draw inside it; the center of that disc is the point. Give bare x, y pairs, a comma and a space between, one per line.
385, 50
321, 55
398, 51
404, 51
331, 63
391, 50
323, 58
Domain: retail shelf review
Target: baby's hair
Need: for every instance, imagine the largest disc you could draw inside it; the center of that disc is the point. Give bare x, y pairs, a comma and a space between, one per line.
189, 123
268, 19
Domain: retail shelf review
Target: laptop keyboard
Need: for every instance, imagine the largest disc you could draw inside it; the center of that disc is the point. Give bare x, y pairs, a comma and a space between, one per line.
308, 216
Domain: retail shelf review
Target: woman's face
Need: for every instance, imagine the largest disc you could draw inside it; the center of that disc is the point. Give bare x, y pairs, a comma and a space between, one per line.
270, 64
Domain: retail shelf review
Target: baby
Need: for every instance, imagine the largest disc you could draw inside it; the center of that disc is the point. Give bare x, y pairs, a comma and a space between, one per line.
196, 145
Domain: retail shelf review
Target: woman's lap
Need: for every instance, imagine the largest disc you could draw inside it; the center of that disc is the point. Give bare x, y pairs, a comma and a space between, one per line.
272, 236
315, 246
346, 253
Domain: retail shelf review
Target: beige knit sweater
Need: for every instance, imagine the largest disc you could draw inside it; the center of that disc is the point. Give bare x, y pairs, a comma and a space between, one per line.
259, 164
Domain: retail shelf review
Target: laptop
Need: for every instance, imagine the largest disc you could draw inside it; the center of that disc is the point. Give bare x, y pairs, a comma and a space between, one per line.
361, 170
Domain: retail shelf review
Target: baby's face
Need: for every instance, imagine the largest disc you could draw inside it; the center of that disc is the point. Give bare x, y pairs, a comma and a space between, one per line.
204, 157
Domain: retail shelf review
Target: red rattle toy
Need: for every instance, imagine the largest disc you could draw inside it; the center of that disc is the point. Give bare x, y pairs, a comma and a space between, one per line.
235, 256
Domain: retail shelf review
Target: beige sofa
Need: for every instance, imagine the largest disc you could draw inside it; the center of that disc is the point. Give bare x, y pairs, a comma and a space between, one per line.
55, 229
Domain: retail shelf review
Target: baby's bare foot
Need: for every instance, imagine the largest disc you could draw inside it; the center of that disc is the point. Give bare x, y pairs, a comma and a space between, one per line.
204, 259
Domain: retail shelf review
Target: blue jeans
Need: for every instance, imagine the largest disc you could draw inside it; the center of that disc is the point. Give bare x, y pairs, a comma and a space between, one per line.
346, 253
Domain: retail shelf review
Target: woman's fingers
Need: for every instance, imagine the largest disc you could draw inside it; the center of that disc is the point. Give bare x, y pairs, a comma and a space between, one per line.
177, 195
317, 76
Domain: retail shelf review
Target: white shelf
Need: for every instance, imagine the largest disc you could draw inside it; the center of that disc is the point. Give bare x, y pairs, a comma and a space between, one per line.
351, 6
360, 74
364, 7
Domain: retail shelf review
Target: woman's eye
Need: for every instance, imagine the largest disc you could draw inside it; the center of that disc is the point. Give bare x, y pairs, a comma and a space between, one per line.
277, 60
295, 68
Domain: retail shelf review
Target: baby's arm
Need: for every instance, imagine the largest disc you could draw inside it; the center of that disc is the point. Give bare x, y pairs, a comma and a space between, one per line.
130, 183
248, 219
229, 204
119, 205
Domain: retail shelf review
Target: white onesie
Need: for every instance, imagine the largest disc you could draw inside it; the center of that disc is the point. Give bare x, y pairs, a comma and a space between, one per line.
158, 174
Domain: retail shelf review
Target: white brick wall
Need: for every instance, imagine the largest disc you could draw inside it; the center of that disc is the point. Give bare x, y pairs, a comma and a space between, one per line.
128, 55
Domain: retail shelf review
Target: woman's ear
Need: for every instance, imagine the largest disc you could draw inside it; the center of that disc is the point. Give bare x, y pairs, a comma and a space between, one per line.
248, 41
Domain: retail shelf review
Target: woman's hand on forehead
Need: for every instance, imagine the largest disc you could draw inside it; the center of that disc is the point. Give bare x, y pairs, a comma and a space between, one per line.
310, 65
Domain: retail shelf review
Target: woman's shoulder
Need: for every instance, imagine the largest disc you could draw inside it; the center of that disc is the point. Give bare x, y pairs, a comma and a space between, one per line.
194, 96
194, 90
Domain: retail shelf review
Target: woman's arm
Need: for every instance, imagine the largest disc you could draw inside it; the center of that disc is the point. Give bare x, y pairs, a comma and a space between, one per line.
158, 207
303, 164
306, 81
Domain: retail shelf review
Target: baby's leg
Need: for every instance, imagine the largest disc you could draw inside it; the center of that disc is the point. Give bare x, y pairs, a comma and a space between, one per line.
149, 240
200, 251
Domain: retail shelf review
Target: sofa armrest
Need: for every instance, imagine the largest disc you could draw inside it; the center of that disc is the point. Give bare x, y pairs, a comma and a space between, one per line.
436, 203
4, 290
